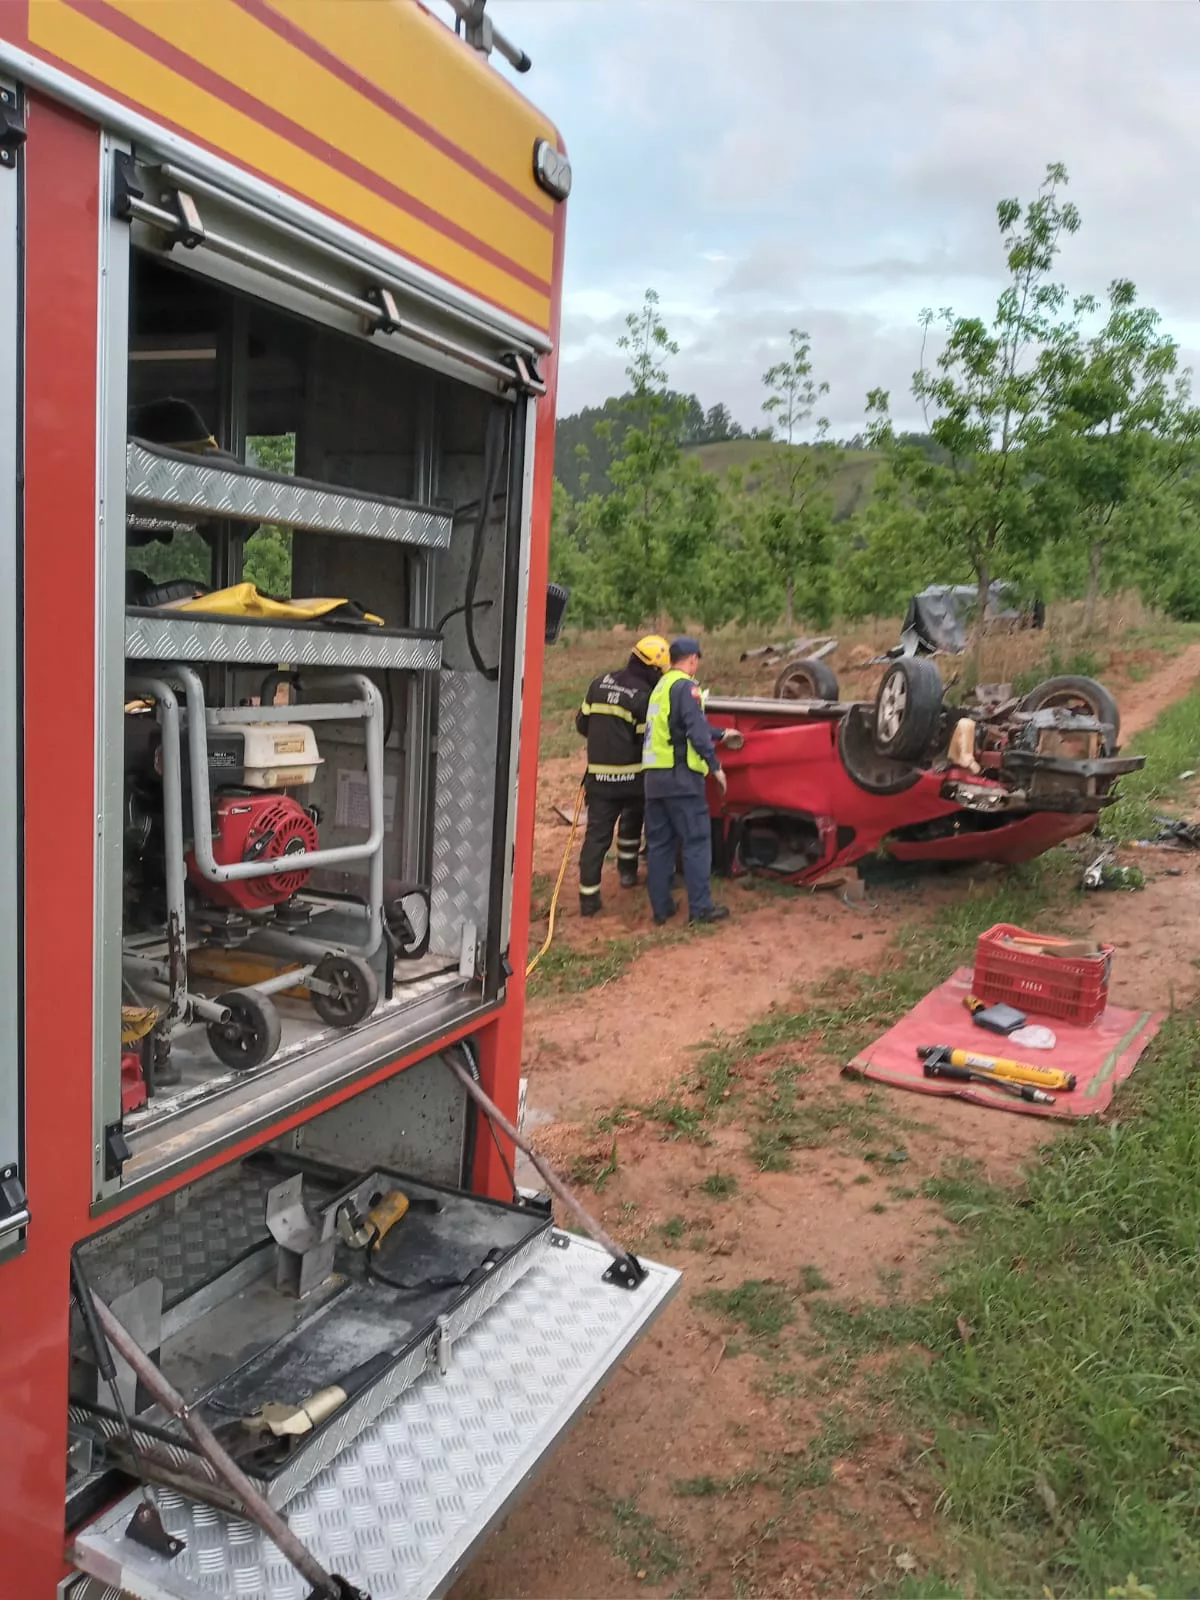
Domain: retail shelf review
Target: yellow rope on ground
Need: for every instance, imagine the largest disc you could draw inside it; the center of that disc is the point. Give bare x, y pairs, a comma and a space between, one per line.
562, 872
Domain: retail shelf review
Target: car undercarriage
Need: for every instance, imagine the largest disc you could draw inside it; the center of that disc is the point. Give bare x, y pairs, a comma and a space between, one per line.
817, 784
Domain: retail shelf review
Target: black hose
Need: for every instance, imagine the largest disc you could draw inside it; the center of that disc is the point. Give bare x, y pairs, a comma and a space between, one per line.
493, 462
426, 1285
457, 611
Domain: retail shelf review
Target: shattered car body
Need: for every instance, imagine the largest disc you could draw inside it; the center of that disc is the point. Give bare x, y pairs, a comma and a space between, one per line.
819, 785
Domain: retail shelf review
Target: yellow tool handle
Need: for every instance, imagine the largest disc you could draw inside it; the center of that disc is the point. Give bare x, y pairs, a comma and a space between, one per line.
387, 1214
1014, 1071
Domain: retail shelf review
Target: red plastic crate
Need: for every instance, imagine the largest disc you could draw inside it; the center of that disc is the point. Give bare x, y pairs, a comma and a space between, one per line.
1071, 988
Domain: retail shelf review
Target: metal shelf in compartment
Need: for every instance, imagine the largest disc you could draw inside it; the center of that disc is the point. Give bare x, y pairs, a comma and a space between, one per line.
191, 636
194, 488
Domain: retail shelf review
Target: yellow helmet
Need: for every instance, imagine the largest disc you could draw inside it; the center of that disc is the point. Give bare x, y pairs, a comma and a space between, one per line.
654, 651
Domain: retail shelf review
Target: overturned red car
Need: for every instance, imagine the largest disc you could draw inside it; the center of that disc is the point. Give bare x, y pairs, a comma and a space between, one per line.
815, 783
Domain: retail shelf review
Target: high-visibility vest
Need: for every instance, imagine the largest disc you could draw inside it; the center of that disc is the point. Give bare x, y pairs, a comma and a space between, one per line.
658, 749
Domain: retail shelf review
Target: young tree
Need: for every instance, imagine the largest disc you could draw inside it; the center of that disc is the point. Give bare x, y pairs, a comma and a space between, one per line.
990, 394
1124, 431
791, 392
794, 500
643, 525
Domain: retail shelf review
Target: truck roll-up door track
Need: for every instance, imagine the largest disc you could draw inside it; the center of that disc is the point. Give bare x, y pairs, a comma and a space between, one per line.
179, 218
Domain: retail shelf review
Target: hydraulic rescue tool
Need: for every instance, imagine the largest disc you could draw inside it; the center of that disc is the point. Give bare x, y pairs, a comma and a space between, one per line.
998, 1067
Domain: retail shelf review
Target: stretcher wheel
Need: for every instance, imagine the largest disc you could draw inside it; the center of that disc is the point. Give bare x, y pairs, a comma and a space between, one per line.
251, 1036
356, 991
806, 680
908, 709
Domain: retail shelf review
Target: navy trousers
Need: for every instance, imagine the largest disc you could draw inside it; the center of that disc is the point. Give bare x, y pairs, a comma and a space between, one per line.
681, 820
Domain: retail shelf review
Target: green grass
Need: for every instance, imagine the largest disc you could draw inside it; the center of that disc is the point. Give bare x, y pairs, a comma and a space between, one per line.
719, 1186
650, 1551
1171, 746
595, 1170
1061, 1346
563, 970
763, 1308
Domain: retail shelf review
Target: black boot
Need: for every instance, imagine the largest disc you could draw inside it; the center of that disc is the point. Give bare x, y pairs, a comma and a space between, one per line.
713, 914
627, 877
589, 905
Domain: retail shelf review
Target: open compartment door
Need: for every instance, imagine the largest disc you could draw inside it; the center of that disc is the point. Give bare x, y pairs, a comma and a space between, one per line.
400, 1512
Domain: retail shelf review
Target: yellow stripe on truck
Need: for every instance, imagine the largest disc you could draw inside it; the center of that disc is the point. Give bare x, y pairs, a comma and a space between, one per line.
225, 39
129, 72
481, 111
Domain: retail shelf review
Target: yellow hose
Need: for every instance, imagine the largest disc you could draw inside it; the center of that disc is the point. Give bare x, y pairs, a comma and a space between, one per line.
562, 872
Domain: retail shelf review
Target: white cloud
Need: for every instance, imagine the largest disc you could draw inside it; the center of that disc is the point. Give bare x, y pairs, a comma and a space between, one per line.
837, 166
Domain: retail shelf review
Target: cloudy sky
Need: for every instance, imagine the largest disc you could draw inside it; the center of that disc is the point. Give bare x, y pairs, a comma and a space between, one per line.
835, 166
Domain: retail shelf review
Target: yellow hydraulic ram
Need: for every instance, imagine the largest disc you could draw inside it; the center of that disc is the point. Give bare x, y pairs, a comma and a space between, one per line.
1012, 1071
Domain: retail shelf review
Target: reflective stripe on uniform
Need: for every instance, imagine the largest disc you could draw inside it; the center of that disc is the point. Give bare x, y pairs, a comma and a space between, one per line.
589, 888
587, 710
614, 772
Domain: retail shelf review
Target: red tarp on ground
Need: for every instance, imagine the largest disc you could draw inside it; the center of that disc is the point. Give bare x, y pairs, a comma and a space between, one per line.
1100, 1056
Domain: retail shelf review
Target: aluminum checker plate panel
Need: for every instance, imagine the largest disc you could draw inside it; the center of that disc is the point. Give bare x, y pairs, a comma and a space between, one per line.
462, 829
400, 1513
180, 483
153, 636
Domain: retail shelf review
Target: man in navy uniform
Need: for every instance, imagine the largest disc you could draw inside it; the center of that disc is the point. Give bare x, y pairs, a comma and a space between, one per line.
678, 754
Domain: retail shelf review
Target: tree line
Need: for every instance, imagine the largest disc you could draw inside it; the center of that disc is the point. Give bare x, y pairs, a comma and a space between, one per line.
1058, 451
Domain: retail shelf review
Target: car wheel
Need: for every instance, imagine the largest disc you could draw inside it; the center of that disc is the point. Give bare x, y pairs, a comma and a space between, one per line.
1078, 694
872, 772
908, 709
806, 680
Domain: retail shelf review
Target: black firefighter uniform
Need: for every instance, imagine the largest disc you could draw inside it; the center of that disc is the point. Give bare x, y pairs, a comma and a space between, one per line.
612, 719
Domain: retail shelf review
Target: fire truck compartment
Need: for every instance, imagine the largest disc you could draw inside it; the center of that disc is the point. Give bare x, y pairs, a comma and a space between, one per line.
322, 543
401, 1510
221, 1303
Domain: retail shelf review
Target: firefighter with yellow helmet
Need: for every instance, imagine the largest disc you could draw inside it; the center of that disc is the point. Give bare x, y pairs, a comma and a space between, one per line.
612, 719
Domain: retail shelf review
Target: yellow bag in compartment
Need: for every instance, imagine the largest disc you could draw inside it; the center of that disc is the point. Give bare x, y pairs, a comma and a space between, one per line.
244, 600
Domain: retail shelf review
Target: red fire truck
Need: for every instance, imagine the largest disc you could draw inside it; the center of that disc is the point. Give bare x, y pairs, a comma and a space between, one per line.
279, 298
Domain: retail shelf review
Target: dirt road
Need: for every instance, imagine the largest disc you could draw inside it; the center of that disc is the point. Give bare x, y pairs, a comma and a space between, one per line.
711, 1464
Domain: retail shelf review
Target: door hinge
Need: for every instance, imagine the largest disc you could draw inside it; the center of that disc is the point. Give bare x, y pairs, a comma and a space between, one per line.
12, 128
12, 1193
526, 377
127, 185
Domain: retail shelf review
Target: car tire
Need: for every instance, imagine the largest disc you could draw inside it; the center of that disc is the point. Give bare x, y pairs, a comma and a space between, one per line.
806, 680
872, 772
1078, 694
908, 709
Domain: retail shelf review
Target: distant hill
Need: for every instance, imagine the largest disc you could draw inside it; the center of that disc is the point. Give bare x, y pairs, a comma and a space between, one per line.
852, 482
581, 460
